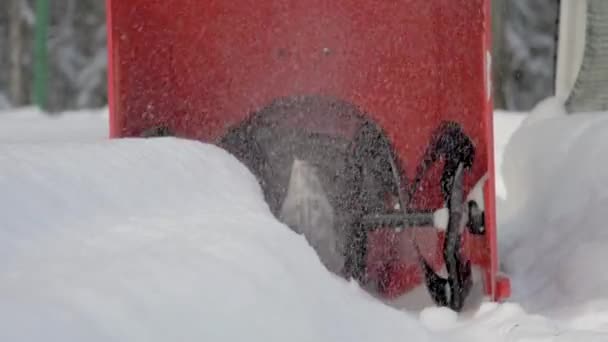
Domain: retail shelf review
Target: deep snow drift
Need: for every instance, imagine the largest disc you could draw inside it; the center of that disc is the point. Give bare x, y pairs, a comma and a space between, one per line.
162, 240
169, 240
553, 229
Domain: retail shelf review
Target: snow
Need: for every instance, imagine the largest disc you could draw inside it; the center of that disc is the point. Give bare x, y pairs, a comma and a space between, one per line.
159, 240
505, 124
553, 231
29, 125
170, 240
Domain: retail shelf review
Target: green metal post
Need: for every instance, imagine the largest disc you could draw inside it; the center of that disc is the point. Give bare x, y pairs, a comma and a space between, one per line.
41, 54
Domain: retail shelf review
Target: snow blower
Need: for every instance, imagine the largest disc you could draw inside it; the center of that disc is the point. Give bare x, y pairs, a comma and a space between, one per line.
367, 123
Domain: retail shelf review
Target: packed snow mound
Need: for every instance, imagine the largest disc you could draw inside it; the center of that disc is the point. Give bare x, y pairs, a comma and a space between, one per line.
163, 240
553, 232
170, 240
505, 124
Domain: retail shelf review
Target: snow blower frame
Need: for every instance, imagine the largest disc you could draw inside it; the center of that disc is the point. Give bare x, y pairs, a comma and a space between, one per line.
391, 101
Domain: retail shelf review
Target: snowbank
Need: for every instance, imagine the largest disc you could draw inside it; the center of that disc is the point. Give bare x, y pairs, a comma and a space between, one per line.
162, 240
553, 232
169, 240
505, 124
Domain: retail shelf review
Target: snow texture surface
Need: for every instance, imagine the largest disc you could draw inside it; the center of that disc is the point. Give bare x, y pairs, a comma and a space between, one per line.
170, 240
29, 125
161, 240
553, 231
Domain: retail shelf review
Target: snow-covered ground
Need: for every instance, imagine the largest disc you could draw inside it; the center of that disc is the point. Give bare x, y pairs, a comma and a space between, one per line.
170, 240
29, 125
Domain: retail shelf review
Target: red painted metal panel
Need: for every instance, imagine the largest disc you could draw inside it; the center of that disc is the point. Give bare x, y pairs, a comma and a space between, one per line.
200, 67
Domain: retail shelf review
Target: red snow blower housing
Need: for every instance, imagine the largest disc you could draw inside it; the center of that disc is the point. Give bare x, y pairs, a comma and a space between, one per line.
367, 123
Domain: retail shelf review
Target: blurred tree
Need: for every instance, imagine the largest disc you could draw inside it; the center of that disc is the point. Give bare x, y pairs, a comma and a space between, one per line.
527, 67
499, 65
41, 54
76, 49
15, 81
78, 55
